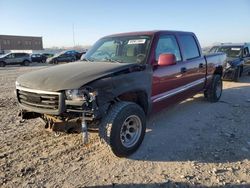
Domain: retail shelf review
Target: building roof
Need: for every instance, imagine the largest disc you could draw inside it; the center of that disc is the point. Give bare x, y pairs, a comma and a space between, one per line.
20, 36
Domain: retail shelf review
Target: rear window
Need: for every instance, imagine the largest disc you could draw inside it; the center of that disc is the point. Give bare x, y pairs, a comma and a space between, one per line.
190, 48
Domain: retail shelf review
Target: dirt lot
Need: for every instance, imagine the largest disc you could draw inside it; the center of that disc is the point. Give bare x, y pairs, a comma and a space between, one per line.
194, 143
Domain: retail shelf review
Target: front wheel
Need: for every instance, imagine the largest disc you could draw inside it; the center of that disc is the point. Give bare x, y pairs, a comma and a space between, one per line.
2, 64
55, 61
26, 63
237, 74
123, 128
215, 90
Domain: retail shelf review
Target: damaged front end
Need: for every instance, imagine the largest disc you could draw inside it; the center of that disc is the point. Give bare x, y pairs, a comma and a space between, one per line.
65, 111
232, 69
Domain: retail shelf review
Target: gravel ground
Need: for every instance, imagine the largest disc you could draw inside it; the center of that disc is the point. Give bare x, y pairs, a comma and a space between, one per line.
194, 143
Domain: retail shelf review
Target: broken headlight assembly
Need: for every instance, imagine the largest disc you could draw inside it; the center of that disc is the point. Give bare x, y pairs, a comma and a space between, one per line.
81, 94
228, 65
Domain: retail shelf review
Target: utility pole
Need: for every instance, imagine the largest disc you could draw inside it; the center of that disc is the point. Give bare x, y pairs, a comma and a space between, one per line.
73, 30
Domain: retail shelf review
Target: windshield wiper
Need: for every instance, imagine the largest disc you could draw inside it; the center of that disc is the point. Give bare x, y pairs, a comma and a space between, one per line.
112, 60
88, 60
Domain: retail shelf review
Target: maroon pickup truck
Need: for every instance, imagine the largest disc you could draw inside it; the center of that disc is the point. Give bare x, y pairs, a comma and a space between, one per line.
121, 80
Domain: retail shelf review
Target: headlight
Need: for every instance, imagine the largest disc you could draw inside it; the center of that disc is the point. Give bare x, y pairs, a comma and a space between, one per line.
75, 94
82, 94
17, 84
228, 65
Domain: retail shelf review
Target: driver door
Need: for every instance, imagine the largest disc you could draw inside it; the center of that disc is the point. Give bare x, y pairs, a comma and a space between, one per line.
167, 80
10, 59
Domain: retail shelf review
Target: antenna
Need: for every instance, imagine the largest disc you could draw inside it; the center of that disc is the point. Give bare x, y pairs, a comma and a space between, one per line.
73, 32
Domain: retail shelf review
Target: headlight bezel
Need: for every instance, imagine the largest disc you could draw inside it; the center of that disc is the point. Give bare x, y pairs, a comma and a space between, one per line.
80, 94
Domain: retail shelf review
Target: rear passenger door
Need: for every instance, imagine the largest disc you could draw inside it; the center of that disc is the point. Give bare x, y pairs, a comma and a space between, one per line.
19, 57
193, 61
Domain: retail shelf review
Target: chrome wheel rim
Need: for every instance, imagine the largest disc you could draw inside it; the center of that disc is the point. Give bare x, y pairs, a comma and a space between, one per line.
130, 131
219, 89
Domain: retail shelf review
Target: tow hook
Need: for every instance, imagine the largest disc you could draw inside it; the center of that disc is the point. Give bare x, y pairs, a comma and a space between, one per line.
21, 114
84, 130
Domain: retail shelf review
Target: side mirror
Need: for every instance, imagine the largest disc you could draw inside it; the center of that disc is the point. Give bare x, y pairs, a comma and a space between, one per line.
167, 60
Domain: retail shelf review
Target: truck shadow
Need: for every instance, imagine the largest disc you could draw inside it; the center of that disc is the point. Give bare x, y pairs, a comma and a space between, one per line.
169, 184
196, 130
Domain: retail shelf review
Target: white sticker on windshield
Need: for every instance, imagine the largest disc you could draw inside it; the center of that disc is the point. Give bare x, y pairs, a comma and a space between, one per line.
235, 49
137, 41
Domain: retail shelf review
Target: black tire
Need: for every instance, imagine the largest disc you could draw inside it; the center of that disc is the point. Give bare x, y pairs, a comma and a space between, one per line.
215, 90
26, 63
205, 94
241, 71
237, 74
43, 61
111, 130
55, 61
2, 64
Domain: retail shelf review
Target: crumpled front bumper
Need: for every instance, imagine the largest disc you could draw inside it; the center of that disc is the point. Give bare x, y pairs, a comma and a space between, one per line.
228, 73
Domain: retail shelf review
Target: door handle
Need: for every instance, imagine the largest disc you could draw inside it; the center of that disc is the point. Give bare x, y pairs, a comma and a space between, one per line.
201, 65
183, 69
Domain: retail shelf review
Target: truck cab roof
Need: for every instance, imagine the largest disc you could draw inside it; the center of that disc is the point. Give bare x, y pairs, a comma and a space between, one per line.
234, 44
153, 32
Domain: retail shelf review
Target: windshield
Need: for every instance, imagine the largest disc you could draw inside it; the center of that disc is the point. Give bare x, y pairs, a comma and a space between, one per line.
4, 55
129, 49
59, 53
231, 51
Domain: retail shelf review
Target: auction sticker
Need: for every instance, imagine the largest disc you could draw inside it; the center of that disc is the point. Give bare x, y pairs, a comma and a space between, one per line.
137, 41
235, 49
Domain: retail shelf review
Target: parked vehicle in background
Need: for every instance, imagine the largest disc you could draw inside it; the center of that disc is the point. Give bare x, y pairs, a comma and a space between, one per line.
238, 59
15, 58
64, 56
75, 53
125, 78
39, 58
47, 55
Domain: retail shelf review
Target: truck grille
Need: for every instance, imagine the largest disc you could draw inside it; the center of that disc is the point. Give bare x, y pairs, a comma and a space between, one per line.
39, 101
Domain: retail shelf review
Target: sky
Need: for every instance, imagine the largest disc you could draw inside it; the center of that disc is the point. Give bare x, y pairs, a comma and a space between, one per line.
212, 21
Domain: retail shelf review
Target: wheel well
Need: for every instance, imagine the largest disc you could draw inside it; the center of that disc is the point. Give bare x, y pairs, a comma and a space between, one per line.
138, 97
219, 70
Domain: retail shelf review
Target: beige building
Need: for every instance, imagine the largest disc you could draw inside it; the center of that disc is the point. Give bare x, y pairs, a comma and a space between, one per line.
10, 42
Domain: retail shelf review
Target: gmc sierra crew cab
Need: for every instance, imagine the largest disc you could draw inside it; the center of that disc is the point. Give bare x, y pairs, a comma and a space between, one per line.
121, 80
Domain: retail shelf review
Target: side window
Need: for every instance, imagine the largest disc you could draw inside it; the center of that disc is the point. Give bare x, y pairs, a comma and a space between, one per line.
246, 52
10, 56
18, 55
190, 49
167, 44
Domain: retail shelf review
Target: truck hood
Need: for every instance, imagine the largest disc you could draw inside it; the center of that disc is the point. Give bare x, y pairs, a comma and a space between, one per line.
69, 76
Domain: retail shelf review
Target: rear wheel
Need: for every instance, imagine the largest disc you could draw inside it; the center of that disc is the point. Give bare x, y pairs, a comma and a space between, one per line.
215, 90
123, 128
2, 64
